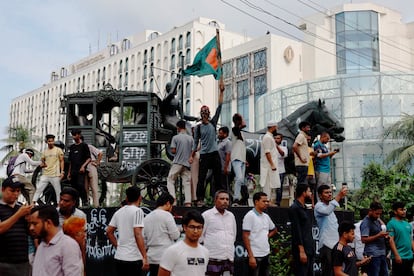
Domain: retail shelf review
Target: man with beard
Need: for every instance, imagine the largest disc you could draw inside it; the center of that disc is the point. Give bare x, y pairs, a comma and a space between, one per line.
219, 235
209, 157
300, 149
401, 241
13, 230
238, 156
269, 177
188, 256
57, 254
302, 240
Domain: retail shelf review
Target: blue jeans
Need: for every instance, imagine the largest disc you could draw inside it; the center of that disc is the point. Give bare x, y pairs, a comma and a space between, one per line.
377, 266
239, 169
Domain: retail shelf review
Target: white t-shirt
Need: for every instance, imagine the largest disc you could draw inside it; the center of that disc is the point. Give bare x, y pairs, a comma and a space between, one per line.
125, 220
181, 259
259, 226
160, 231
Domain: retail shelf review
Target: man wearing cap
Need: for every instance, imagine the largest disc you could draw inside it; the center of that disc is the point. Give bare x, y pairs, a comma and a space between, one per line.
209, 156
54, 168
20, 170
269, 177
13, 230
300, 149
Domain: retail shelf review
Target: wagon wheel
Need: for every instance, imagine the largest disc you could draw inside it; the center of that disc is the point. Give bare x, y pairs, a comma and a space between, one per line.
151, 177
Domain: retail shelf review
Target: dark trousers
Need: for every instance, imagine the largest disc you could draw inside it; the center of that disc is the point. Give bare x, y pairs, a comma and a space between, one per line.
406, 268
378, 266
279, 191
78, 182
154, 269
129, 268
209, 161
300, 269
262, 268
218, 267
302, 174
326, 261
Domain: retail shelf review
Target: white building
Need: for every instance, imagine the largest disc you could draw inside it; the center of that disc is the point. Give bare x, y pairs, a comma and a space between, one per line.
358, 57
144, 62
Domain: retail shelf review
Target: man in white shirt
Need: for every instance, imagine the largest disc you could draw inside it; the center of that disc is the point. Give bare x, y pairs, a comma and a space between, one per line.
160, 231
258, 227
20, 170
188, 256
219, 235
282, 153
131, 256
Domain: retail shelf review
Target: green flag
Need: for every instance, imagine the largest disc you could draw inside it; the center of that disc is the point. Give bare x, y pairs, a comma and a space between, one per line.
206, 62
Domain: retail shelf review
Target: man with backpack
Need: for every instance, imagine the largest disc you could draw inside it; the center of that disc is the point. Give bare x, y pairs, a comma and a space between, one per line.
20, 169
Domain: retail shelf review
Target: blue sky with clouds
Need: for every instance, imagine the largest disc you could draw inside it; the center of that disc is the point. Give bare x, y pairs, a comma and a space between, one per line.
39, 37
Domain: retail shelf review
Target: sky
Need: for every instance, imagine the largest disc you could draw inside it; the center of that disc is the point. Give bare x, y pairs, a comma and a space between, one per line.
39, 37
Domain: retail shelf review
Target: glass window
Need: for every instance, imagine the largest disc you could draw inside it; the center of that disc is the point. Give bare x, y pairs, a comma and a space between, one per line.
242, 65
173, 46
260, 86
145, 56
180, 42
188, 40
357, 42
227, 70
243, 99
259, 60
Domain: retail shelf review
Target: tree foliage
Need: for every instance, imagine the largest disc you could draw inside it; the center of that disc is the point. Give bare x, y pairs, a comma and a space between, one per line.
18, 138
385, 186
402, 130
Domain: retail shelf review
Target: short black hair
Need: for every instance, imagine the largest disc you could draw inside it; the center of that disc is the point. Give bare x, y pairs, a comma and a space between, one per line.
224, 129
47, 212
181, 124
164, 198
75, 131
237, 118
375, 206
397, 205
323, 188
133, 193
49, 136
258, 195
304, 124
72, 192
345, 227
193, 215
300, 189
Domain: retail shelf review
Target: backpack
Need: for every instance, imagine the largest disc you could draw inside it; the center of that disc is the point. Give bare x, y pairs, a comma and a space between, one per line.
11, 165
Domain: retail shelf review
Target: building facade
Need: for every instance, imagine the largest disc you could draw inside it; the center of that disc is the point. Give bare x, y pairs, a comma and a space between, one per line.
357, 57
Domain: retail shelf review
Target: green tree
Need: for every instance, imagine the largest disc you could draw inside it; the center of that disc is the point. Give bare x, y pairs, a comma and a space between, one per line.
385, 186
402, 130
18, 139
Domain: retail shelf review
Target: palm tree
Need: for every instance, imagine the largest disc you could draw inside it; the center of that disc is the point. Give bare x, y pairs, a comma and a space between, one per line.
402, 130
19, 138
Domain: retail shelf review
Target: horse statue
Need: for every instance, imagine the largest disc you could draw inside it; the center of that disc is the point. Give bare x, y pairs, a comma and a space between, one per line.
315, 112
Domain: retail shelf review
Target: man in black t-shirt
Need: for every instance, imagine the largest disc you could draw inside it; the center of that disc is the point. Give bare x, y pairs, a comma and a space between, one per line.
343, 256
79, 158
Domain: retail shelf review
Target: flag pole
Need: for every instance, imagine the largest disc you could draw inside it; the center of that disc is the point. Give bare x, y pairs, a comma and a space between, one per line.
221, 81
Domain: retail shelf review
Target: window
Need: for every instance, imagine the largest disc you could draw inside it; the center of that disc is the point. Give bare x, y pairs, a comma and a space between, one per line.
227, 70
259, 60
357, 47
188, 40
188, 57
126, 65
260, 86
113, 50
180, 42
126, 44
226, 114
242, 65
145, 56
152, 54
243, 99
172, 65
173, 46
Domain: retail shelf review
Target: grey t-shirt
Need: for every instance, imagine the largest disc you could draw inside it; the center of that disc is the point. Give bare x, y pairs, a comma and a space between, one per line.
182, 142
224, 147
